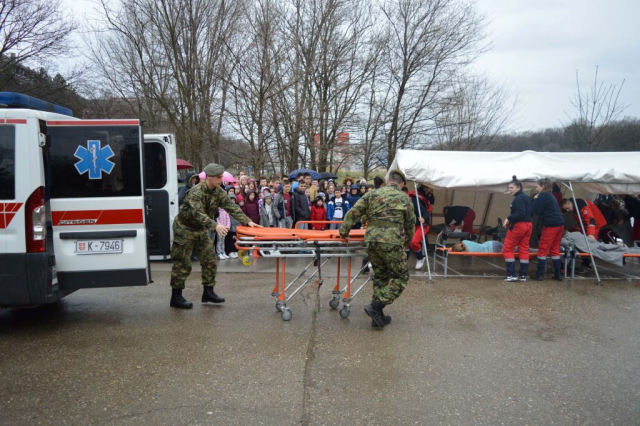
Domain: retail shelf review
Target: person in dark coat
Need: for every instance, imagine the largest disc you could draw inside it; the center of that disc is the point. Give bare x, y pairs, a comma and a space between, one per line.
251, 207
545, 206
519, 228
192, 179
459, 215
301, 205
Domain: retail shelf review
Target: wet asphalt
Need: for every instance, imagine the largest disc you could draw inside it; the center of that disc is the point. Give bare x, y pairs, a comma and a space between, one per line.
460, 351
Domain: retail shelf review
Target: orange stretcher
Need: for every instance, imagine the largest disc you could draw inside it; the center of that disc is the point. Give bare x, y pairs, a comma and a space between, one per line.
319, 246
443, 252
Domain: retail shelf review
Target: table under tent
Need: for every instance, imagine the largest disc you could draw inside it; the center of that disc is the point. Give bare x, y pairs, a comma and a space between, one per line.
480, 179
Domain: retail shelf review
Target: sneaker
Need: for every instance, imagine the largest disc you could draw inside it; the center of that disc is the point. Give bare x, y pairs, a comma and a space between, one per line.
522, 278
222, 257
510, 279
420, 263
233, 255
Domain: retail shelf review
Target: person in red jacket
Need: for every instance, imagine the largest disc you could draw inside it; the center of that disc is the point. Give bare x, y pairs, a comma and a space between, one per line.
590, 214
318, 212
592, 219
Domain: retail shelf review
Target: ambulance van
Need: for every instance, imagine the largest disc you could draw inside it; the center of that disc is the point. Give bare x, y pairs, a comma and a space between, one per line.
83, 203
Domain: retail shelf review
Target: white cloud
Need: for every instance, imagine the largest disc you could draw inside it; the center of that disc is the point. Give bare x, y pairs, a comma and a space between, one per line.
538, 46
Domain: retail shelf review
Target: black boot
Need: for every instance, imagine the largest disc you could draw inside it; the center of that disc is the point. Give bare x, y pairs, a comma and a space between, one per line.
177, 301
539, 275
557, 270
208, 295
386, 319
374, 310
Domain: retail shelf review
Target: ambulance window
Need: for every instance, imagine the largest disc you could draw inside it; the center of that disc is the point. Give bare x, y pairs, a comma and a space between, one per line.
155, 165
92, 161
7, 162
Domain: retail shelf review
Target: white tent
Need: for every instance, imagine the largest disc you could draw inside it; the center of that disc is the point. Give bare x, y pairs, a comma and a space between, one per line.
599, 172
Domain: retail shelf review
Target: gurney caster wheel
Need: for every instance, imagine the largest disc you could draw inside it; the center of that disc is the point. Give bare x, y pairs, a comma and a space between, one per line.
345, 311
242, 254
286, 314
247, 261
333, 304
279, 305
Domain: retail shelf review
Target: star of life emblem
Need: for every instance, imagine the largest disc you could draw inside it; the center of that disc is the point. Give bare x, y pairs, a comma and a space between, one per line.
94, 159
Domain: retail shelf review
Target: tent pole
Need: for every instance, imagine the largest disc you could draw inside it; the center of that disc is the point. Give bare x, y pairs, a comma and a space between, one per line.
584, 232
424, 240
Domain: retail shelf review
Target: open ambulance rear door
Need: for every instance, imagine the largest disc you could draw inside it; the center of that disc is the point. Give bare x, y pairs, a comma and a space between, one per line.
97, 203
161, 177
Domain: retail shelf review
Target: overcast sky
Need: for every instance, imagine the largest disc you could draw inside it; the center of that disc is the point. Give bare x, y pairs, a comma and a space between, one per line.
539, 45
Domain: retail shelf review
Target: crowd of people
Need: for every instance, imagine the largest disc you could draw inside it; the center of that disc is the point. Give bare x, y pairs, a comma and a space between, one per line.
280, 202
397, 224
543, 220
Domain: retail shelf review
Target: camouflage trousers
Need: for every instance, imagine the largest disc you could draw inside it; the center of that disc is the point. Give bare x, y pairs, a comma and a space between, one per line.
184, 242
391, 273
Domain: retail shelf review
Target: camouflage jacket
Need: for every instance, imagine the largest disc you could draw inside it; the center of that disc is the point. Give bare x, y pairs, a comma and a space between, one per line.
201, 205
389, 213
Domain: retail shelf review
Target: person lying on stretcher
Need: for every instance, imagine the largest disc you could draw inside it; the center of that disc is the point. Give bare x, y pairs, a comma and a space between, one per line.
467, 246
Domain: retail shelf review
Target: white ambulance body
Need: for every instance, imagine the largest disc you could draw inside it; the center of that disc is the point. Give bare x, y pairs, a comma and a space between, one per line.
72, 203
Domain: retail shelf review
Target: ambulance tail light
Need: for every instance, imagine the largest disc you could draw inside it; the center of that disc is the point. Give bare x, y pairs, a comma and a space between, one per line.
36, 222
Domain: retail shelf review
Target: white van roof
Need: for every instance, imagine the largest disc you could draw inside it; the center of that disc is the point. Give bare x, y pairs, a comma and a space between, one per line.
33, 113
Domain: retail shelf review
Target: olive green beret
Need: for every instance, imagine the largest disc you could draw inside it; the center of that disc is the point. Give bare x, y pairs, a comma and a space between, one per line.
404, 178
213, 169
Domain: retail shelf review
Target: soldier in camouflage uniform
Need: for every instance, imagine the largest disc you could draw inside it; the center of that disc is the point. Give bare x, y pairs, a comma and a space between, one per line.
191, 232
390, 230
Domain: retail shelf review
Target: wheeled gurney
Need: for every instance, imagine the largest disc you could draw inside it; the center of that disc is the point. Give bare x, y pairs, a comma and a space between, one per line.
318, 246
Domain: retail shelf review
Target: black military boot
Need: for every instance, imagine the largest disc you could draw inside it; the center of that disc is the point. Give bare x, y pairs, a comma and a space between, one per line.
374, 310
386, 319
208, 295
177, 301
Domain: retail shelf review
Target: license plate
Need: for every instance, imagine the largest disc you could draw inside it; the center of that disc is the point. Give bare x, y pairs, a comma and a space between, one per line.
99, 246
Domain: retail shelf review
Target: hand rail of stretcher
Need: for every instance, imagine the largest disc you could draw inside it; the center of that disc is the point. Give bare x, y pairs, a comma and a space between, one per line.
303, 234
623, 255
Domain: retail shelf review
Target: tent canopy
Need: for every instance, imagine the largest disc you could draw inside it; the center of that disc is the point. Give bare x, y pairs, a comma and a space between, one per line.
598, 172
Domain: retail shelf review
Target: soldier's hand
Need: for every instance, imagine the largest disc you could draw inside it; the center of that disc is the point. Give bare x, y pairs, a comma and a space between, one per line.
421, 219
222, 230
254, 225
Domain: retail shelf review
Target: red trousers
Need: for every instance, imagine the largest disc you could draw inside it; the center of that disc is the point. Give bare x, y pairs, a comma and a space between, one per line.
550, 242
417, 237
518, 235
467, 222
636, 229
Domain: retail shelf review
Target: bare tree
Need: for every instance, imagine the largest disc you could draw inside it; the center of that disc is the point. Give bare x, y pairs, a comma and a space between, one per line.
164, 58
474, 114
430, 41
31, 30
595, 111
254, 82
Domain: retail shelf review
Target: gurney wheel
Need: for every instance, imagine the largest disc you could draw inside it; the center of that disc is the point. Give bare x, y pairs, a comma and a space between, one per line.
345, 311
279, 305
247, 261
242, 254
286, 314
333, 304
